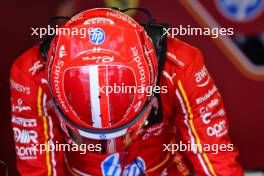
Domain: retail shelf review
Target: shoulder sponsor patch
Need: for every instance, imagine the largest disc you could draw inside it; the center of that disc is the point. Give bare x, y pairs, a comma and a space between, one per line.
19, 87
24, 122
202, 77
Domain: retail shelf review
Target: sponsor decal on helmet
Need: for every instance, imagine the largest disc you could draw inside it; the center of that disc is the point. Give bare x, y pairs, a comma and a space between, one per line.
98, 59
99, 20
56, 82
76, 17
123, 17
62, 51
138, 60
96, 35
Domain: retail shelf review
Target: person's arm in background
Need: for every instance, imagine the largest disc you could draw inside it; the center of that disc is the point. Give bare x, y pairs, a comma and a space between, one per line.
200, 114
32, 124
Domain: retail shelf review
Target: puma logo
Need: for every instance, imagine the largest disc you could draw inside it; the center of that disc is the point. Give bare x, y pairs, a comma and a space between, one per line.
167, 75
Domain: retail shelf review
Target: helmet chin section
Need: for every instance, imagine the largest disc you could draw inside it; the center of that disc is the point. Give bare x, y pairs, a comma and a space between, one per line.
109, 140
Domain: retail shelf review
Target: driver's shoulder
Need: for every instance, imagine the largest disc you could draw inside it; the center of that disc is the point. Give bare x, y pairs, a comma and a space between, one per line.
180, 54
28, 65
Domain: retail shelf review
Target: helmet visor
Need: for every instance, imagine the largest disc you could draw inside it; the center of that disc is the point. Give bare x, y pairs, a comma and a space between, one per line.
97, 94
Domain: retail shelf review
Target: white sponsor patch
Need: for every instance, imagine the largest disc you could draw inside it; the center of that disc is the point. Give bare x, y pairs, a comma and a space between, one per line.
218, 129
44, 81
174, 57
19, 107
36, 66
206, 96
168, 76
153, 131
24, 122
25, 136
26, 153
220, 113
202, 77
205, 111
19, 87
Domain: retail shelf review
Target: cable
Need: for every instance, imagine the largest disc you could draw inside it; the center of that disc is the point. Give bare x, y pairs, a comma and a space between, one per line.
6, 168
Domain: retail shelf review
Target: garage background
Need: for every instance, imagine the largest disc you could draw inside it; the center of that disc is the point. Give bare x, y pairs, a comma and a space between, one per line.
235, 62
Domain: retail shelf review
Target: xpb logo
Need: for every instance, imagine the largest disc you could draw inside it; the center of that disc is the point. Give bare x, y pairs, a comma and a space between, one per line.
96, 35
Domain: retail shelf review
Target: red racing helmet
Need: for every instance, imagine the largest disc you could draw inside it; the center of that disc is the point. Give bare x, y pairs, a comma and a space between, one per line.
100, 64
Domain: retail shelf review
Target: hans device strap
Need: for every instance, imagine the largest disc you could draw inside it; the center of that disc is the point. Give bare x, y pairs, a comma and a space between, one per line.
159, 40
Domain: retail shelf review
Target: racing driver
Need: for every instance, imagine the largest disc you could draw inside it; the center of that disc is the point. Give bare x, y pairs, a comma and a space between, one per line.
64, 97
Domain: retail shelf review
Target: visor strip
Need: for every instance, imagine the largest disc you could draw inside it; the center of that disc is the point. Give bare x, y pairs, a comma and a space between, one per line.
94, 92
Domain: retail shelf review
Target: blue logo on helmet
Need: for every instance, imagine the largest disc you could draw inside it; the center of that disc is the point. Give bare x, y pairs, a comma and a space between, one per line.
96, 35
240, 10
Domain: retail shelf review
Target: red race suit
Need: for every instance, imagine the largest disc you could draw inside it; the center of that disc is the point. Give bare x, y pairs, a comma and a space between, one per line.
192, 106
